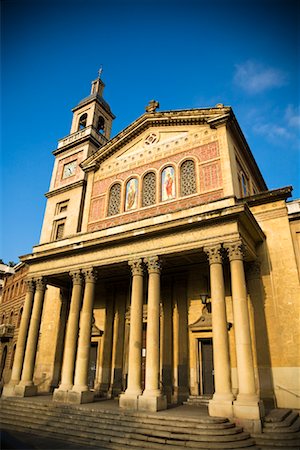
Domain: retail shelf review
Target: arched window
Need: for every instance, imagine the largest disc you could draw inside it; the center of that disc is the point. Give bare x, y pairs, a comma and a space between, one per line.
168, 184
17, 289
11, 317
131, 194
3, 318
149, 189
12, 356
100, 124
188, 178
3, 361
82, 121
114, 202
20, 316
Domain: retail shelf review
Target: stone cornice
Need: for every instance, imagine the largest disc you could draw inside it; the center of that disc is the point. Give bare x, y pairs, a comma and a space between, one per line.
65, 188
86, 242
155, 119
268, 196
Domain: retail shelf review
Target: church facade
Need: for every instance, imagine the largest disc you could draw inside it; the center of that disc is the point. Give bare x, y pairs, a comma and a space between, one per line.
165, 269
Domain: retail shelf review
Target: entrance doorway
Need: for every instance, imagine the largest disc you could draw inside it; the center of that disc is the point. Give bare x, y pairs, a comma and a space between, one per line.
205, 349
93, 364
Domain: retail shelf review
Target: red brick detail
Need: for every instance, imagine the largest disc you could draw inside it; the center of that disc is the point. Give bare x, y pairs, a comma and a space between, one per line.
97, 209
210, 176
59, 181
156, 210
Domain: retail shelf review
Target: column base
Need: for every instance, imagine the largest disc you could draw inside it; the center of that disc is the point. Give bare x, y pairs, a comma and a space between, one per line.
153, 403
25, 391
9, 390
80, 397
129, 401
60, 395
249, 414
218, 407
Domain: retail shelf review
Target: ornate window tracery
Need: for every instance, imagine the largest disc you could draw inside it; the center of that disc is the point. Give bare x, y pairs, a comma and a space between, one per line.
114, 202
149, 189
188, 178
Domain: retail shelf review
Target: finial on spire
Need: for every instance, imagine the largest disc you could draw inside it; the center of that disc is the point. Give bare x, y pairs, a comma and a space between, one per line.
100, 72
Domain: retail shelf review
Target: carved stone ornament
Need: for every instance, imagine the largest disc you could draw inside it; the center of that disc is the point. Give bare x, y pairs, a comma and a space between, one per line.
30, 285
90, 275
214, 254
153, 264
40, 283
235, 250
76, 276
204, 321
136, 266
152, 106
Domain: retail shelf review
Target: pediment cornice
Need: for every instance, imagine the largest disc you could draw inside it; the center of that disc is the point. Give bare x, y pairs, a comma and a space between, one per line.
157, 119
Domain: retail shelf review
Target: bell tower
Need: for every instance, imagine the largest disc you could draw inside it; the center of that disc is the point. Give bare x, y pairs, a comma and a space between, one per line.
90, 130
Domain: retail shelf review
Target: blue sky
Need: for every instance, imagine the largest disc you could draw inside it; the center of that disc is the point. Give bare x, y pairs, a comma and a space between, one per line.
185, 54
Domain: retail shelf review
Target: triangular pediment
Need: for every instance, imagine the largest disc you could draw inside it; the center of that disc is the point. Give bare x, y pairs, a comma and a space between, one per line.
163, 127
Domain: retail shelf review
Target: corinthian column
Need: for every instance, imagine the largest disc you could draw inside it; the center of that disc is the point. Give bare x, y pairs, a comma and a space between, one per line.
66, 383
247, 406
221, 403
80, 392
134, 388
26, 387
8, 390
152, 398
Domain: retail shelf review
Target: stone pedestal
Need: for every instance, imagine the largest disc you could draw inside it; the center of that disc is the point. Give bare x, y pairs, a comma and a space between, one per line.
128, 401
249, 414
220, 406
25, 391
60, 395
80, 397
152, 402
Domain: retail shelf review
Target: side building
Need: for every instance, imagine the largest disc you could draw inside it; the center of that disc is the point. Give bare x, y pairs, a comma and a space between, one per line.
166, 268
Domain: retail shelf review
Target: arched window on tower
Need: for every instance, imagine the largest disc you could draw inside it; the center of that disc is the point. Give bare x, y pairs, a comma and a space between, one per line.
149, 189
100, 124
187, 178
114, 201
82, 121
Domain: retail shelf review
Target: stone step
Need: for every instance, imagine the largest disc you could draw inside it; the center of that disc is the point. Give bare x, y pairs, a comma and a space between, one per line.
265, 444
178, 433
286, 422
126, 441
111, 421
284, 430
277, 415
79, 410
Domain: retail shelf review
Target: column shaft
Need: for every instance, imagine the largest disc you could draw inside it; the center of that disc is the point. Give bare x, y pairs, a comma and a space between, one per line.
22, 337
84, 341
71, 333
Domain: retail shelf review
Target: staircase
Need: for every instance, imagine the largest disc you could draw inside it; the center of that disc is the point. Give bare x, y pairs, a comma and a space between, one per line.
97, 425
281, 429
198, 400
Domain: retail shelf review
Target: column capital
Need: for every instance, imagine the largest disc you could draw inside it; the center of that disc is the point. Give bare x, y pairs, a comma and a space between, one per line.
76, 276
40, 283
136, 266
30, 284
235, 250
154, 264
90, 275
214, 254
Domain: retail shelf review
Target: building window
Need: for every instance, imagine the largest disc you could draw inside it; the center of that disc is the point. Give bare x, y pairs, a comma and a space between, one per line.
82, 121
131, 194
149, 189
58, 229
168, 188
114, 202
11, 318
100, 124
61, 207
20, 317
244, 184
187, 178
